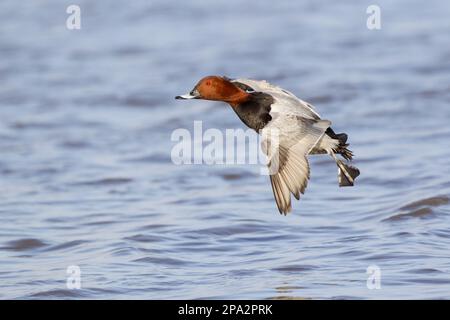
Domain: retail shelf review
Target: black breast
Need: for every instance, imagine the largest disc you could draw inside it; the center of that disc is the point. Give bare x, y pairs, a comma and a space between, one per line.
255, 112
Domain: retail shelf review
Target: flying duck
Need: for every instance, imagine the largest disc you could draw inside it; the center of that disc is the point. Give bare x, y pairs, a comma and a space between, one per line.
300, 132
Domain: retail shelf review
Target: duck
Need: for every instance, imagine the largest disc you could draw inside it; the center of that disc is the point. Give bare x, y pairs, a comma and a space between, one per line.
291, 130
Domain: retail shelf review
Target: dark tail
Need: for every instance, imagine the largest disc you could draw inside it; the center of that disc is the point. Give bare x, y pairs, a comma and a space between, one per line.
347, 173
342, 147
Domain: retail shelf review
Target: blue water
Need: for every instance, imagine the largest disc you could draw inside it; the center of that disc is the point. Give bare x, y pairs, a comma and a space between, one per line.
86, 176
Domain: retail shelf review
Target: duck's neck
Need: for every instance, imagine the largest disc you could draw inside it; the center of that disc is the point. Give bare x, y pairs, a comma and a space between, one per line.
240, 97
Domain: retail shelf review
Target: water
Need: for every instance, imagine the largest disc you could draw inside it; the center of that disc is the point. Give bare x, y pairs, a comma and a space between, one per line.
87, 179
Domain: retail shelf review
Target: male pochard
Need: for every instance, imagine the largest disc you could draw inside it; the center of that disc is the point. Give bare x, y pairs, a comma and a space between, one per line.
300, 131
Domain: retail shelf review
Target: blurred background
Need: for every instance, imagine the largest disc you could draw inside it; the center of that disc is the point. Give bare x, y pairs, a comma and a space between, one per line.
86, 177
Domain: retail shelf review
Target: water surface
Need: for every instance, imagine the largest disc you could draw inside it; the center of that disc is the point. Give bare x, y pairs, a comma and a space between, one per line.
86, 176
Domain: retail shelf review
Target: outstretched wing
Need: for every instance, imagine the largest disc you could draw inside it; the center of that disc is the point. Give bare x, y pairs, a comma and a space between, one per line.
286, 142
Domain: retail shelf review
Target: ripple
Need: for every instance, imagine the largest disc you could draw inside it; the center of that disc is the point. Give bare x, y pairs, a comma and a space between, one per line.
142, 100
426, 271
104, 182
164, 261
236, 175
420, 209
287, 288
75, 293
430, 202
24, 244
233, 230
146, 238
123, 251
22, 125
99, 223
155, 226
58, 293
129, 50
419, 213
294, 268
75, 144
66, 245
288, 298
152, 158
